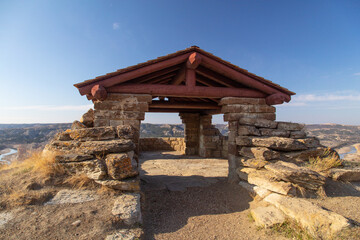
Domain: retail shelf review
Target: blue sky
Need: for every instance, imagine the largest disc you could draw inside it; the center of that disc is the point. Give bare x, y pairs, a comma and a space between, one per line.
309, 47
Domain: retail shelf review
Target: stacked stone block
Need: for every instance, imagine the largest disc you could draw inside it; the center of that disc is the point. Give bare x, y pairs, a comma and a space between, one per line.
268, 154
235, 109
192, 132
210, 139
165, 143
122, 109
105, 154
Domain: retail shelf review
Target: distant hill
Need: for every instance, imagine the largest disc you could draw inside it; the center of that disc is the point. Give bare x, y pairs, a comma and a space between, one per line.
11, 134
332, 135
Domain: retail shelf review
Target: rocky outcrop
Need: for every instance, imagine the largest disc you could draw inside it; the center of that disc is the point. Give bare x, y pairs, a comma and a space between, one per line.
105, 154
127, 207
300, 176
317, 221
267, 216
346, 175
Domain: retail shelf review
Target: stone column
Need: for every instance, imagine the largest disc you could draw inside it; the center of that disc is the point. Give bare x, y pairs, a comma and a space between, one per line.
209, 141
192, 130
125, 110
234, 110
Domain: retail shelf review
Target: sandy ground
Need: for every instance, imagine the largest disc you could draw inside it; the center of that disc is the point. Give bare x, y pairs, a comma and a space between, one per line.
27, 218
199, 204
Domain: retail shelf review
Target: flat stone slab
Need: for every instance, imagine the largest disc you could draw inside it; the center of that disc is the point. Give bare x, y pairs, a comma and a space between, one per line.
72, 196
256, 190
125, 234
302, 176
346, 175
124, 185
127, 207
266, 179
318, 221
5, 217
267, 216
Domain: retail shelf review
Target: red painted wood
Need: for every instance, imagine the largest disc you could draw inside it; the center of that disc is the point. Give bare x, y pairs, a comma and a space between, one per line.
159, 79
98, 92
237, 76
190, 78
180, 76
214, 76
157, 74
184, 91
193, 61
278, 98
183, 105
123, 77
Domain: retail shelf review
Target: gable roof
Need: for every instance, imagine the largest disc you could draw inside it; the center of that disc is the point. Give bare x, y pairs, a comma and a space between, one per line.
213, 71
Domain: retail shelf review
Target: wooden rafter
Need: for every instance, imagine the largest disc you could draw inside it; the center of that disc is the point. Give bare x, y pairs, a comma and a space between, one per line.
183, 105
185, 91
216, 77
111, 81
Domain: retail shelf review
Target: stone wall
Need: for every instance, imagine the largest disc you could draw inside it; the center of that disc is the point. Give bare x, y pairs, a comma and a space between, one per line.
269, 154
122, 109
165, 143
105, 154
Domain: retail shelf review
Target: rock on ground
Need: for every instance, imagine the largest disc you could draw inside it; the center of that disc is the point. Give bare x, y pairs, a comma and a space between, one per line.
72, 196
346, 175
267, 216
127, 207
319, 222
125, 234
5, 217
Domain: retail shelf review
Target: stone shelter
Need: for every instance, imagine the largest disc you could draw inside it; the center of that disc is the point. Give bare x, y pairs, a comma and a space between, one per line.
197, 85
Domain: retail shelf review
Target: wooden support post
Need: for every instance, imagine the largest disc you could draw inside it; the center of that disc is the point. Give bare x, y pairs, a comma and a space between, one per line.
190, 77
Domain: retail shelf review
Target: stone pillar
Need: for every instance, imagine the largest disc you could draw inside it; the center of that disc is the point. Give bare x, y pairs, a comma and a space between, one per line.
234, 110
192, 130
210, 138
122, 110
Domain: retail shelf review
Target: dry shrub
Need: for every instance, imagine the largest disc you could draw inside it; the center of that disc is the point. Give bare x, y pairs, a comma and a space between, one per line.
80, 181
107, 191
328, 159
41, 163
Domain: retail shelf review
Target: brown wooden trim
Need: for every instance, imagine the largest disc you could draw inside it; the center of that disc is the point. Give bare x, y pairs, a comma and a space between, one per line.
134, 74
218, 78
237, 76
183, 105
184, 91
157, 74
190, 78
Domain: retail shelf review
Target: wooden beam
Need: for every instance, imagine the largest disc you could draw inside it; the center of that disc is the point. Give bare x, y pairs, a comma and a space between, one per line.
159, 79
98, 92
180, 76
190, 77
156, 75
85, 88
183, 105
218, 78
194, 61
208, 82
173, 110
184, 91
237, 76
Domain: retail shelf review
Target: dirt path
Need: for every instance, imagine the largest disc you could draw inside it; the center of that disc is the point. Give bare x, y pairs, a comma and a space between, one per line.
213, 210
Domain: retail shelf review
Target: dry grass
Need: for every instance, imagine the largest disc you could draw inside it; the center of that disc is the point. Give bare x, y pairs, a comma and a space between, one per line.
329, 159
292, 230
42, 164
80, 181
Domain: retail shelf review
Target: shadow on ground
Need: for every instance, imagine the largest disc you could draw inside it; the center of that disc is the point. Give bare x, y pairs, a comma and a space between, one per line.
168, 211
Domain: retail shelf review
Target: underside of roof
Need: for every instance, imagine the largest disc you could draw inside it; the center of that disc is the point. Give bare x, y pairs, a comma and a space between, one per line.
185, 79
